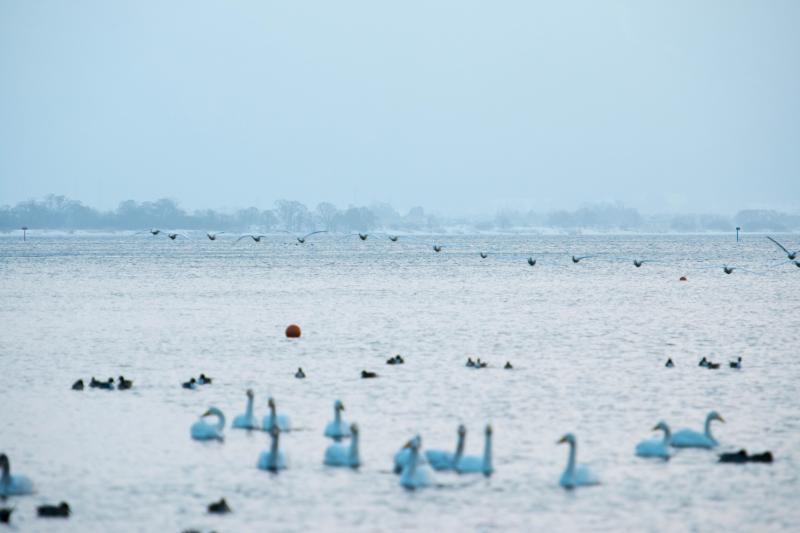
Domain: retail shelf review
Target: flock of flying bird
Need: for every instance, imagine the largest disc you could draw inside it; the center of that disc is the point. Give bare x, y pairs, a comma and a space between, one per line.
791, 255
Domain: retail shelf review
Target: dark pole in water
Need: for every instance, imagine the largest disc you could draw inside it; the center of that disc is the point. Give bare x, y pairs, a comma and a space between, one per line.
737, 233
24, 231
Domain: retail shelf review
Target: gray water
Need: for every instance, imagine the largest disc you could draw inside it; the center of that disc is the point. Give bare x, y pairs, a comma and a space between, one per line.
588, 343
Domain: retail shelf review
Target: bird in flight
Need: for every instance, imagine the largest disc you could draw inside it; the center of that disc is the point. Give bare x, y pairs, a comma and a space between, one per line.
791, 255
302, 239
578, 259
531, 261
437, 248
173, 236
212, 236
256, 238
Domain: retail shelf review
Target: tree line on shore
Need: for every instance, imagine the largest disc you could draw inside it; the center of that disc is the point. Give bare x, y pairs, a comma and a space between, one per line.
61, 213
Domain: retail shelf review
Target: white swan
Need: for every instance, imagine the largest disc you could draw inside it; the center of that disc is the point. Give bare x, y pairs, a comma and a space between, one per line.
656, 447
338, 454
444, 460
202, 430
575, 475
337, 429
688, 438
475, 464
415, 475
272, 459
247, 420
274, 418
403, 456
12, 485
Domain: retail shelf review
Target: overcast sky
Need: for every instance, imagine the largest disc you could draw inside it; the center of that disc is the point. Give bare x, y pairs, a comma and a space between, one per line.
459, 106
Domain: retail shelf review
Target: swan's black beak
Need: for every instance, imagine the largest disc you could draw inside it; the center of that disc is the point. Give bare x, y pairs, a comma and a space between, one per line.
721, 419
207, 413
655, 428
562, 440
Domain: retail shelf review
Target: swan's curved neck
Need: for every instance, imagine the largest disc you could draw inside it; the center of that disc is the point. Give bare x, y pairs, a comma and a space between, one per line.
460, 446
667, 435
6, 471
221, 418
249, 411
272, 410
708, 428
354, 449
487, 453
337, 417
273, 455
412, 461
571, 460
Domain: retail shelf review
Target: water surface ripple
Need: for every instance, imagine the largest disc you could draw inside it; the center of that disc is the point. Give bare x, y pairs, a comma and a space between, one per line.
588, 343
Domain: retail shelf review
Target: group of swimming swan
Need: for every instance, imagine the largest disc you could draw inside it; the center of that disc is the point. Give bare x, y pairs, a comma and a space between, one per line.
202, 429
416, 468
685, 438
415, 465
638, 262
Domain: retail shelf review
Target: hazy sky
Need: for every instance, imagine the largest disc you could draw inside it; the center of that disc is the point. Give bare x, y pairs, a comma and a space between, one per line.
459, 106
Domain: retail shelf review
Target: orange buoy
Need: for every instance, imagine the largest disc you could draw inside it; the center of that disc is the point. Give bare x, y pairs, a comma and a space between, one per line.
293, 331
683, 278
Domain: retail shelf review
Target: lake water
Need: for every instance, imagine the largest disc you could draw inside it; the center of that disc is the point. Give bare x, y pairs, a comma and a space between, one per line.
588, 342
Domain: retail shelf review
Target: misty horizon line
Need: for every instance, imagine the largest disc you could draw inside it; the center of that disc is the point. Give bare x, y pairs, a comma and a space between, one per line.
60, 212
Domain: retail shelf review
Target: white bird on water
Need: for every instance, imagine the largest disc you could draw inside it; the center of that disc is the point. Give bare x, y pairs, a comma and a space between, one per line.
575, 475
17, 485
338, 428
202, 430
689, 438
415, 474
403, 456
273, 418
656, 447
272, 459
246, 420
339, 454
478, 464
444, 460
